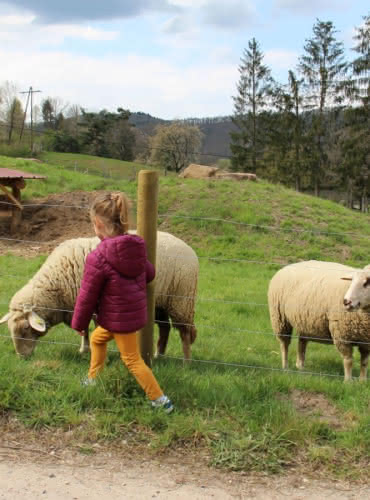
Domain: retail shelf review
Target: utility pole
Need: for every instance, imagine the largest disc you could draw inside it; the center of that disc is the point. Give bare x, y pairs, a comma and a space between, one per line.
30, 93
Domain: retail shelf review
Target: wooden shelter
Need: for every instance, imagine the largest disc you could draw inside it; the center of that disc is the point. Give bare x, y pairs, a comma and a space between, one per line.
15, 179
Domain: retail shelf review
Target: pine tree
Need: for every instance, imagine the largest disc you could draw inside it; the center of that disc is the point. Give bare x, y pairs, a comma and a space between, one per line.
354, 140
253, 88
323, 68
361, 65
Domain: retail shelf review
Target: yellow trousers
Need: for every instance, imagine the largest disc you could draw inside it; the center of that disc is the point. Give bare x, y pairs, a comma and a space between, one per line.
127, 344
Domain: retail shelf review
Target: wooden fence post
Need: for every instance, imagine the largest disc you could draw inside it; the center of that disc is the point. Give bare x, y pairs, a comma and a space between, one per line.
147, 214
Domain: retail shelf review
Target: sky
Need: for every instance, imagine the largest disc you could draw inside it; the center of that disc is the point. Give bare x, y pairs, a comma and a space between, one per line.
170, 58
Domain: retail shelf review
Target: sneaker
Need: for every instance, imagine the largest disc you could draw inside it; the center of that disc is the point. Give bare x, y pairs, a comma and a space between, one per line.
163, 402
88, 381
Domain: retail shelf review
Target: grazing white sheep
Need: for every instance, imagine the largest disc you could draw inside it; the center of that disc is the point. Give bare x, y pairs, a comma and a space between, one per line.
312, 298
49, 297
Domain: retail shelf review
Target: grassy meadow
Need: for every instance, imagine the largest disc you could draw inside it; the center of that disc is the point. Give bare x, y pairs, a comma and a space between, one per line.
233, 401
106, 167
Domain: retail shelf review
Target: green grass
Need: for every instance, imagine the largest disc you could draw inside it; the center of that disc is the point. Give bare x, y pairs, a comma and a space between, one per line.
233, 399
106, 167
60, 179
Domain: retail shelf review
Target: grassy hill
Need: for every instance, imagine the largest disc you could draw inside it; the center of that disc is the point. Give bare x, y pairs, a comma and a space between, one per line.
233, 401
105, 167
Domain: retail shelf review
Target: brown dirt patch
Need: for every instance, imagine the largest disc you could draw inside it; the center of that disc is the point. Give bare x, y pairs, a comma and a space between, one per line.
316, 405
46, 222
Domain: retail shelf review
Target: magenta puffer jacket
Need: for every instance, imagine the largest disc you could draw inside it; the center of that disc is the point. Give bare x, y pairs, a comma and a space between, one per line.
114, 286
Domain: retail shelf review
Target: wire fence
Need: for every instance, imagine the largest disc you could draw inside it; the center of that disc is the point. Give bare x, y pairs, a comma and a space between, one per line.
224, 327
314, 232
196, 361
280, 261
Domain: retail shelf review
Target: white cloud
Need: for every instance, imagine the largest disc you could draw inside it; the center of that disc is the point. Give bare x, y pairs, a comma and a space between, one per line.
177, 24
311, 6
74, 11
217, 14
135, 82
188, 3
16, 31
16, 20
83, 32
231, 14
278, 59
347, 36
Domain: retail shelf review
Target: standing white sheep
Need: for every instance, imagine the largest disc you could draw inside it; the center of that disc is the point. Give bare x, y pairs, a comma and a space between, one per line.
311, 298
49, 297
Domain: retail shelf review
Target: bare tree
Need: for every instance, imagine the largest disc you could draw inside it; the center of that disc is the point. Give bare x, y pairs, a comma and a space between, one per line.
73, 117
175, 146
8, 92
14, 118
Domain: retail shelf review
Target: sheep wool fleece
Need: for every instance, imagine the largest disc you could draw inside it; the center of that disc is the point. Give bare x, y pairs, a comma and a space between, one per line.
114, 285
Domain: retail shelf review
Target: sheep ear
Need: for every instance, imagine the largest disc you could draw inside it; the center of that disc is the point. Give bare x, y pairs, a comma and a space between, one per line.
36, 322
5, 318
348, 277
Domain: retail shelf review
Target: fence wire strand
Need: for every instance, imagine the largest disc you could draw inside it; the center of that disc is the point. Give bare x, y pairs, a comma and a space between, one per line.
176, 324
208, 219
202, 361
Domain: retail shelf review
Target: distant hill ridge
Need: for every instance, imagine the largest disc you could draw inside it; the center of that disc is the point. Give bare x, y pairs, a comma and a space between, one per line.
216, 132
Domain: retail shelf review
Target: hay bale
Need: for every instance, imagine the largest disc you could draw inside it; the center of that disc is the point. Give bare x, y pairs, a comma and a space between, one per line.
195, 171
30, 159
237, 176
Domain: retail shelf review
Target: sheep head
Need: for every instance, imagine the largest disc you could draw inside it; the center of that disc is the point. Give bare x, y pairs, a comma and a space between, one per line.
25, 327
358, 294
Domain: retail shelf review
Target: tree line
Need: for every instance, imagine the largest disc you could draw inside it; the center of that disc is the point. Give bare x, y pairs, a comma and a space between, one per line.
314, 130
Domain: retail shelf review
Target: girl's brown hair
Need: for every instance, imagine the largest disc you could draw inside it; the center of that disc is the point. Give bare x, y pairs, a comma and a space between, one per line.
114, 211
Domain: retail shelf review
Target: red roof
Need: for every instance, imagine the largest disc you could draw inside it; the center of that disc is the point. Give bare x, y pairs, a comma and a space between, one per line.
7, 173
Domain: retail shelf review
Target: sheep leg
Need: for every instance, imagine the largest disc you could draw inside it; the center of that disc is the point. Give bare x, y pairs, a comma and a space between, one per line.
347, 363
285, 338
301, 353
283, 331
364, 351
163, 321
346, 352
85, 346
186, 337
284, 346
164, 332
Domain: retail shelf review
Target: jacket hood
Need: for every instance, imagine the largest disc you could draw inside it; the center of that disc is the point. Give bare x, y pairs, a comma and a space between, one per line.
125, 253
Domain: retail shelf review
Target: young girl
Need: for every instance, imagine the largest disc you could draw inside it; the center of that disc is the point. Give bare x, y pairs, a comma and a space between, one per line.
114, 287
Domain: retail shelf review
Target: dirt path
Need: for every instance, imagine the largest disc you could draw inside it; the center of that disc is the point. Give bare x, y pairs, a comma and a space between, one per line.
107, 476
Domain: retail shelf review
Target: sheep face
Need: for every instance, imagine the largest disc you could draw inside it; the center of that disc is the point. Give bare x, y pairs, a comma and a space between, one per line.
25, 327
358, 294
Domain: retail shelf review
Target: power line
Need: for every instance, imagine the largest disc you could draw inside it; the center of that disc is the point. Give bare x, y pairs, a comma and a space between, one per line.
30, 93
